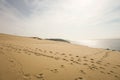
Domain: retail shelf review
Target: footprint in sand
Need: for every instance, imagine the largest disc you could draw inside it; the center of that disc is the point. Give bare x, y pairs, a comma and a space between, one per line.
40, 76
56, 52
116, 76
71, 63
40, 50
98, 62
72, 58
54, 70
84, 57
108, 73
107, 64
77, 56
79, 60
118, 65
50, 52
36, 49
63, 54
82, 71
86, 60
56, 58
102, 72
115, 67
65, 59
79, 78
70, 54
85, 64
93, 67
91, 59
11, 60
27, 76
111, 71
102, 68
45, 51
37, 54
62, 66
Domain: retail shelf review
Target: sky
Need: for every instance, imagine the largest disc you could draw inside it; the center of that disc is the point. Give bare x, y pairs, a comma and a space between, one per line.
67, 19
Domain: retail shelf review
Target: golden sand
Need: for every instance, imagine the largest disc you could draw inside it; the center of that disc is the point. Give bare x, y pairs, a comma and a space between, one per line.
23, 58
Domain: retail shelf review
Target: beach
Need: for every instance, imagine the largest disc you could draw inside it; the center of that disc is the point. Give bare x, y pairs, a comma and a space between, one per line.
27, 58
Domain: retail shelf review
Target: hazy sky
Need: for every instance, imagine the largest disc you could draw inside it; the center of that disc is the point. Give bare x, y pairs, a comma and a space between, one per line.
68, 19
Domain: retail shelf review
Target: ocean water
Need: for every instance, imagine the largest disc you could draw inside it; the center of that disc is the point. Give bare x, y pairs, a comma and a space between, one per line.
113, 44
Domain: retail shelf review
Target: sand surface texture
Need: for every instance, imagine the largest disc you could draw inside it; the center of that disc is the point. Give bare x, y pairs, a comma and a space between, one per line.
23, 58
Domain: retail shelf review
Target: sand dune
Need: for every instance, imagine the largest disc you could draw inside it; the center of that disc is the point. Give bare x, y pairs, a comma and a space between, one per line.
23, 58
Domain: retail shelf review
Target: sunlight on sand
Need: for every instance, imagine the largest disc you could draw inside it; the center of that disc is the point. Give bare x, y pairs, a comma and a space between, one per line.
23, 58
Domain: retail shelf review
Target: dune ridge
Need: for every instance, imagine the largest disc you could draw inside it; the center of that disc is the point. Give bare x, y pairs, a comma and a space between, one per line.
24, 58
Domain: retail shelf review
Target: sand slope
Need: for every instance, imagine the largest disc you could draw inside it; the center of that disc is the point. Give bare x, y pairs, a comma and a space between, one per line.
23, 58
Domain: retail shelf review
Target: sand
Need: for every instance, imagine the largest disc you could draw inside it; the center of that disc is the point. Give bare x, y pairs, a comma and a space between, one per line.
24, 58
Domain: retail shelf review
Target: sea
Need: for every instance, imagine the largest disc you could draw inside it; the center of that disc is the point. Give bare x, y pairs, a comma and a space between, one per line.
113, 44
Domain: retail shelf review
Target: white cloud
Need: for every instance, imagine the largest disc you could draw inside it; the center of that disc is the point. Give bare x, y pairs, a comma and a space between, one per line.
65, 18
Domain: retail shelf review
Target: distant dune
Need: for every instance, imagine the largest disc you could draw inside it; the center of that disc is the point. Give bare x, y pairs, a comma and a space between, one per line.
36, 38
23, 58
61, 40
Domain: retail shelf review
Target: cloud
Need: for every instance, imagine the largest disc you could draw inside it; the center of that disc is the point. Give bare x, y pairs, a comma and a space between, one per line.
21, 6
61, 18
